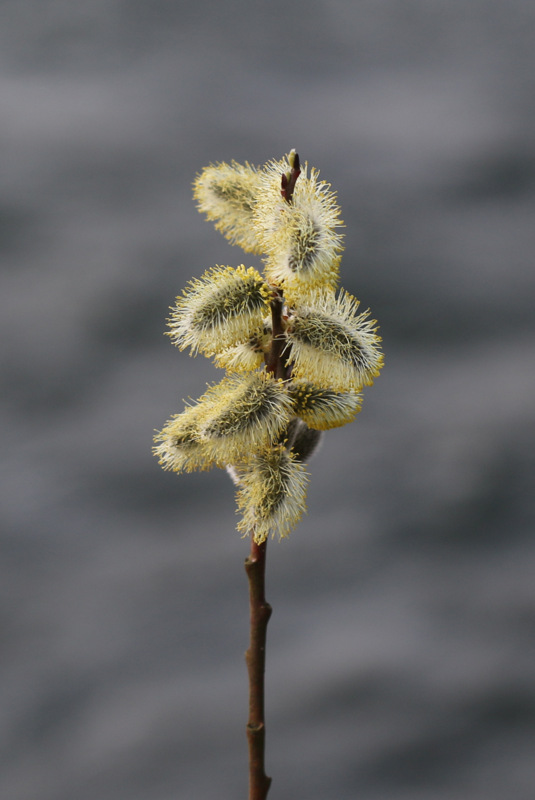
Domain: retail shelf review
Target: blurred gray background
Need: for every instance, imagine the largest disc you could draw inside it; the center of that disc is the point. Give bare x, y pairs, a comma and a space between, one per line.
401, 653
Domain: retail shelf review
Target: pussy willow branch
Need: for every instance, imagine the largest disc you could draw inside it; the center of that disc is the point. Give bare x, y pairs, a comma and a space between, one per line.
255, 564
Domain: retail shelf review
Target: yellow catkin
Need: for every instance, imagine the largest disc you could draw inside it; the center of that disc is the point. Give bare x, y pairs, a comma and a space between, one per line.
219, 309
179, 447
300, 238
333, 346
324, 408
272, 494
227, 193
247, 412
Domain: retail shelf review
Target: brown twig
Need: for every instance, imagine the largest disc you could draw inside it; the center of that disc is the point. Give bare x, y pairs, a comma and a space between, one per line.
288, 179
275, 361
255, 657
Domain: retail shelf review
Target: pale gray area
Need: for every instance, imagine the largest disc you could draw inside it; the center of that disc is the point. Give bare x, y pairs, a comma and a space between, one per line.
401, 654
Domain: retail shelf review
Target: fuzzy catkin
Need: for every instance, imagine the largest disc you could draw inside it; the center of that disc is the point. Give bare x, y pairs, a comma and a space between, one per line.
227, 194
301, 239
219, 309
247, 413
331, 345
272, 494
324, 408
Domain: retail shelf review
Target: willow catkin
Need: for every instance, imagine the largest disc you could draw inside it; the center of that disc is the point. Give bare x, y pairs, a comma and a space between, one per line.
227, 194
219, 309
272, 494
331, 345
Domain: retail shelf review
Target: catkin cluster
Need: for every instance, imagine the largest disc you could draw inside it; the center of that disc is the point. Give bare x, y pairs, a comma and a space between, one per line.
297, 352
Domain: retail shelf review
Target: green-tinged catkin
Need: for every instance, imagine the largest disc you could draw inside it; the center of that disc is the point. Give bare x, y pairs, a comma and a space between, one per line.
247, 412
323, 408
227, 193
300, 238
246, 356
179, 446
272, 494
223, 307
333, 346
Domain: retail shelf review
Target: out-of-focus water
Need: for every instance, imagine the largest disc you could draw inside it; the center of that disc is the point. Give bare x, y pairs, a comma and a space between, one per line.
401, 653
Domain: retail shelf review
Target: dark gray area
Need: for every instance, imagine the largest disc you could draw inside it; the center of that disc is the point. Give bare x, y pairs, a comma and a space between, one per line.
401, 661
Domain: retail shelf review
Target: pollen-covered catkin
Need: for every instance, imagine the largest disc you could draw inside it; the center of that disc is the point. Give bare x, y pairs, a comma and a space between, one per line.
178, 445
333, 346
323, 408
300, 238
272, 494
227, 193
247, 413
246, 356
219, 309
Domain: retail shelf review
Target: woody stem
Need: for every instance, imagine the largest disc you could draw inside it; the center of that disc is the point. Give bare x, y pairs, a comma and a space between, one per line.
275, 362
255, 657
255, 564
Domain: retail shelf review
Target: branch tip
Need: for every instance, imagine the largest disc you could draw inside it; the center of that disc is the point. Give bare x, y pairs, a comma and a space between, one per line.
288, 179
